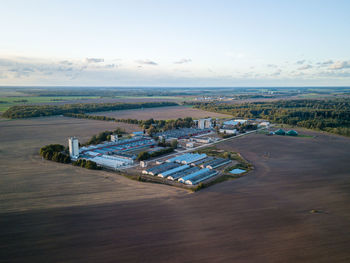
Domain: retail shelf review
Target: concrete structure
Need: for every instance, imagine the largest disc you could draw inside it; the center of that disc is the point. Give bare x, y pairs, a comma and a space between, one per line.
204, 123
143, 164
73, 144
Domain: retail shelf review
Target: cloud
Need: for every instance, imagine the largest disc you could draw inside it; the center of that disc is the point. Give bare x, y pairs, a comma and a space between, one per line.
300, 62
183, 61
66, 62
110, 66
147, 62
340, 65
94, 60
271, 66
276, 73
308, 66
327, 62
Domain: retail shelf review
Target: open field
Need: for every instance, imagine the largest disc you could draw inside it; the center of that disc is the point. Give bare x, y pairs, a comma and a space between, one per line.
163, 113
51, 212
27, 100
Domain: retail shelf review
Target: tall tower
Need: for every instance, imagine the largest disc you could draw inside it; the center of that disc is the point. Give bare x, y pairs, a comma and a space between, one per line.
73, 147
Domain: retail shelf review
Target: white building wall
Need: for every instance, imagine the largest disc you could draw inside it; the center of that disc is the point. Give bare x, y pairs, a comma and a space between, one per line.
228, 131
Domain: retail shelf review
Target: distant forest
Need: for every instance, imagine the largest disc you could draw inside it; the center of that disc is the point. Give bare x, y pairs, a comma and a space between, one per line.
325, 115
28, 111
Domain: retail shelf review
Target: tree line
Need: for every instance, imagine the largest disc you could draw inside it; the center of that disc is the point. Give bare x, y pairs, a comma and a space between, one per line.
325, 115
147, 155
55, 152
28, 111
150, 126
58, 153
103, 136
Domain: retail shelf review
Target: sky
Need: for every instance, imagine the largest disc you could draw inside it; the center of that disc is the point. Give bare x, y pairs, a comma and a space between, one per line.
175, 43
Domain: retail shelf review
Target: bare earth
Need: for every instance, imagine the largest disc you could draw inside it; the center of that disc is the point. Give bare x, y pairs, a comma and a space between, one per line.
52, 212
162, 113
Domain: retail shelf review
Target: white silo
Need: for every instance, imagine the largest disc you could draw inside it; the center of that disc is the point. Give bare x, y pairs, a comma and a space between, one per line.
73, 147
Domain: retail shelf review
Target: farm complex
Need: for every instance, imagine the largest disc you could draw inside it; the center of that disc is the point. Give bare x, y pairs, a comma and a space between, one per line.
172, 155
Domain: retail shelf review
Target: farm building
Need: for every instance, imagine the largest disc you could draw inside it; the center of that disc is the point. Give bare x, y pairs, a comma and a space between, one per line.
165, 174
201, 177
182, 133
202, 139
187, 158
205, 160
217, 163
110, 161
160, 168
228, 131
280, 132
234, 122
183, 173
189, 176
292, 133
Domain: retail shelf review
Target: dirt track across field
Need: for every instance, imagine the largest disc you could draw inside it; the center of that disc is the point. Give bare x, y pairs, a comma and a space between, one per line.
52, 212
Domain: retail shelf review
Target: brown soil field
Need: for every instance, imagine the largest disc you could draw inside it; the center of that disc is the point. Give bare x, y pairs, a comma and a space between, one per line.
51, 212
162, 113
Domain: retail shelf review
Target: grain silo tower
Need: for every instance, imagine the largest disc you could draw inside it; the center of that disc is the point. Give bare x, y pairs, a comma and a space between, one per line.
73, 144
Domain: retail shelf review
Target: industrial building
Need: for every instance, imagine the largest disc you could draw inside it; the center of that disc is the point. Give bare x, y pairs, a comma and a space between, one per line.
228, 130
73, 144
187, 158
173, 171
183, 133
183, 173
113, 154
160, 168
217, 163
189, 176
201, 177
111, 161
202, 161
204, 123
202, 139
234, 122
186, 168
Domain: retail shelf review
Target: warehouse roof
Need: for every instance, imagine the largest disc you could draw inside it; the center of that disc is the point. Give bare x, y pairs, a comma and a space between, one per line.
173, 170
184, 178
183, 173
201, 177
